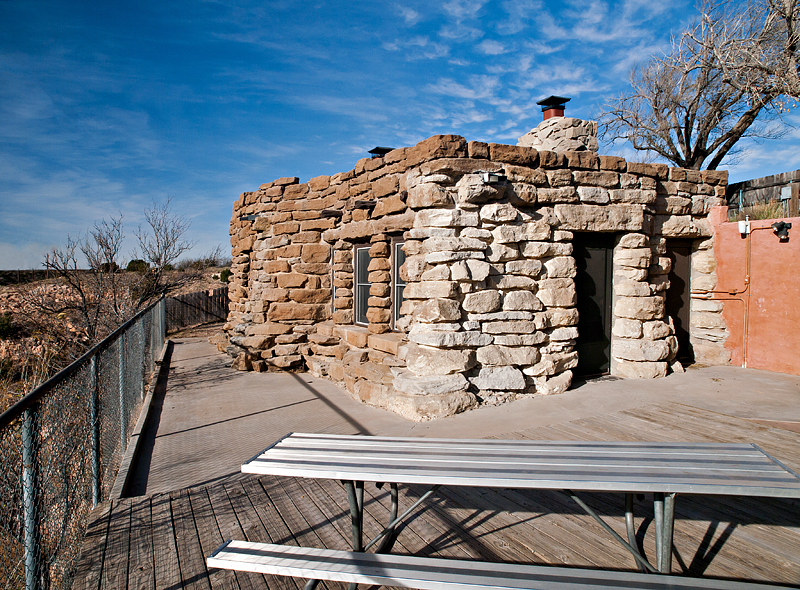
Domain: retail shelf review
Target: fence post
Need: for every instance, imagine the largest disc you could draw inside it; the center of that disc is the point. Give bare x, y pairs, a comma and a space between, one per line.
123, 426
142, 363
94, 403
30, 499
162, 319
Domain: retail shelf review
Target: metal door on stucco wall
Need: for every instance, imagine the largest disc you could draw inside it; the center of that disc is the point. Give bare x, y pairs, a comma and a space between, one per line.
593, 258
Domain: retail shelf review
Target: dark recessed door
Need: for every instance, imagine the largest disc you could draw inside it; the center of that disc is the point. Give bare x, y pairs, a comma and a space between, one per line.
679, 295
593, 257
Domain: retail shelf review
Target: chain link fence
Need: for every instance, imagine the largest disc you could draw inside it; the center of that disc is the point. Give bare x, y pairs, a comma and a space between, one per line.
61, 447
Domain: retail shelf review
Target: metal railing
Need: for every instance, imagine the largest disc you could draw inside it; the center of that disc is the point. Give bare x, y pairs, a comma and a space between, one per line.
60, 449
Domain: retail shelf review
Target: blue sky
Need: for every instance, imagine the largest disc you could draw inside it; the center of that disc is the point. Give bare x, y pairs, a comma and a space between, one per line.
108, 106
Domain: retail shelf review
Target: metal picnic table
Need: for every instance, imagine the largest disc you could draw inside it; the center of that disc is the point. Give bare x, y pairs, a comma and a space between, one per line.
630, 468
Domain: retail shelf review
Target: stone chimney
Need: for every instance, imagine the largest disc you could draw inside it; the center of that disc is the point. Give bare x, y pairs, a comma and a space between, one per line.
557, 133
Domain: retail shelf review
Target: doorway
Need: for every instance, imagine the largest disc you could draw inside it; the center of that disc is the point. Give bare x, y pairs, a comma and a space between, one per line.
593, 258
678, 300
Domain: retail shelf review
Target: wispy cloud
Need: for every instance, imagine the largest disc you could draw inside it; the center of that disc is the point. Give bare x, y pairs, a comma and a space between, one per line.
520, 14
480, 87
460, 32
410, 16
463, 9
418, 47
491, 47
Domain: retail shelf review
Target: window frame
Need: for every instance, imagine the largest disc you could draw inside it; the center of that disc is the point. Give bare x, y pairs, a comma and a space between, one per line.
397, 282
358, 286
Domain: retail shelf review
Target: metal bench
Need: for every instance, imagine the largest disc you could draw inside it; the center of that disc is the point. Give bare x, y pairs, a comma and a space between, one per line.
428, 573
663, 469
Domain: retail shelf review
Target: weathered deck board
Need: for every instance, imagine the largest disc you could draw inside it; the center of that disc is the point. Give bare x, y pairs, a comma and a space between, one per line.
140, 571
721, 537
165, 553
194, 575
90, 568
115, 559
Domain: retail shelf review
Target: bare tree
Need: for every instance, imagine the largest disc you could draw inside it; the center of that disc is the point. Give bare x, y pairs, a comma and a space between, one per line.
754, 44
89, 297
87, 303
161, 243
683, 108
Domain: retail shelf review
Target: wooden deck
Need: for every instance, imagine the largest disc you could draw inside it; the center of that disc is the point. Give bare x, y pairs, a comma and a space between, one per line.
161, 541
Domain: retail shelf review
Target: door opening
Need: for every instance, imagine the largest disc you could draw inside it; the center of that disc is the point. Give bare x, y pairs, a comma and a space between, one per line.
678, 301
593, 257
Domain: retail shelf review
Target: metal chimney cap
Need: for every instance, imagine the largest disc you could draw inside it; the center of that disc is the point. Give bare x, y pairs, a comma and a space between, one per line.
379, 152
554, 101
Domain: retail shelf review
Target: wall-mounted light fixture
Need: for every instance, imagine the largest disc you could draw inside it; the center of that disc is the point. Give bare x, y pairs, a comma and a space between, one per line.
493, 178
781, 229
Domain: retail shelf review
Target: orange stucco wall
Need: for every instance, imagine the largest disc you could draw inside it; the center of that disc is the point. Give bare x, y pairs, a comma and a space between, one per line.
763, 317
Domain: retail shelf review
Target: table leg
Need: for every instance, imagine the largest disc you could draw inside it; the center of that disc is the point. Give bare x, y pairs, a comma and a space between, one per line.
390, 536
658, 513
667, 532
355, 495
631, 528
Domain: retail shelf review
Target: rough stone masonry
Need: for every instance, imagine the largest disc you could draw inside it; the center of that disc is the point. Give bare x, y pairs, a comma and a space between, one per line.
483, 308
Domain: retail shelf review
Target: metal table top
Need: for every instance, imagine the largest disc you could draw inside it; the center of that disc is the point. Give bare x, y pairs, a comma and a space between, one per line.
691, 468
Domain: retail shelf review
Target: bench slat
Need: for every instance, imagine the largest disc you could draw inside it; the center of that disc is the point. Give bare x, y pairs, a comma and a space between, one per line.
427, 573
697, 468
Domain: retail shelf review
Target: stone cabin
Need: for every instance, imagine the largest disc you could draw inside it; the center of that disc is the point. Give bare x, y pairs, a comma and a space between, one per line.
451, 274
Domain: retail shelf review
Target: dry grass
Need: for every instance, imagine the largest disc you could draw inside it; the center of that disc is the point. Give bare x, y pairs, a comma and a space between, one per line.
37, 346
773, 210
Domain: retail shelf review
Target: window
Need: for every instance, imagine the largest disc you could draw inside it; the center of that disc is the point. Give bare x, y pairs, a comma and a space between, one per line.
399, 283
361, 284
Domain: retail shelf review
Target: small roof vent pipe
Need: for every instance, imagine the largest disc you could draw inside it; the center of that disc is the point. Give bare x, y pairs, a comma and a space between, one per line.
553, 106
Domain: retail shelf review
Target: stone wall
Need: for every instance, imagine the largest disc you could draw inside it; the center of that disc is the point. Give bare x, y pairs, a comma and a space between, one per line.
489, 307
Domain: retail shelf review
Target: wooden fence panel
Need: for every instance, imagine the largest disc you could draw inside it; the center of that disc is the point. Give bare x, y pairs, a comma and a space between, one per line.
201, 307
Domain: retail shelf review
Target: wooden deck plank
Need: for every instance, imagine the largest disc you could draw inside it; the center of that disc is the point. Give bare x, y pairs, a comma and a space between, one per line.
303, 531
140, 563
718, 427
209, 536
274, 526
479, 513
229, 528
339, 520
90, 566
165, 553
252, 529
191, 560
431, 527
115, 563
